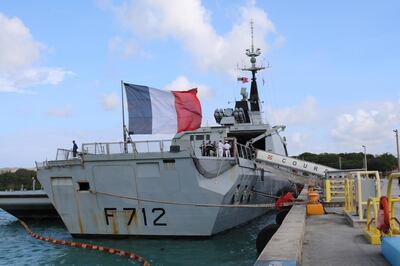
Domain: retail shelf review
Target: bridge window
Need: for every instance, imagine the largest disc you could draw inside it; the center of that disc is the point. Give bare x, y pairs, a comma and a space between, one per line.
199, 137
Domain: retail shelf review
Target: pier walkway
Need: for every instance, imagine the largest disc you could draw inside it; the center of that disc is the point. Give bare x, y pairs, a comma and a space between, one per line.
321, 240
330, 240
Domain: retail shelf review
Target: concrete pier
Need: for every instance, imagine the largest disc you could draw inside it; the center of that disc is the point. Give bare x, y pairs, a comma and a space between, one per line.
330, 240
320, 240
285, 247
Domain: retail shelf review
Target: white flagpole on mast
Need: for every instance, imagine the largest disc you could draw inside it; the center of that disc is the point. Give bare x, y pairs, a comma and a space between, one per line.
123, 116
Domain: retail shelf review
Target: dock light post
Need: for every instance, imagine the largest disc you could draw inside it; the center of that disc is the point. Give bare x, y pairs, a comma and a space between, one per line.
365, 157
396, 131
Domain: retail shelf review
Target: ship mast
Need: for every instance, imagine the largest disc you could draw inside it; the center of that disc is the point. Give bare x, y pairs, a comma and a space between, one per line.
254, 97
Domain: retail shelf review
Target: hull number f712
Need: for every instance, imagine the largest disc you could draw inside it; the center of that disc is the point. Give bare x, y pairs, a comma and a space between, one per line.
155, 216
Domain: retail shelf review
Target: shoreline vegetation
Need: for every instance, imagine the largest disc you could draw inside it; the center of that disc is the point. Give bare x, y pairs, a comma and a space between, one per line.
384, 163
14, 180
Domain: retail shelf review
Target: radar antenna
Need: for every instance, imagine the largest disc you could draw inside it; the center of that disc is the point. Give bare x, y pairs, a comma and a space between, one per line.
252, 34
254, 97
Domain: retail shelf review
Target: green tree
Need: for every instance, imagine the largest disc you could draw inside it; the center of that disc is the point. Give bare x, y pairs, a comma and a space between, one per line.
383, 163
20, 177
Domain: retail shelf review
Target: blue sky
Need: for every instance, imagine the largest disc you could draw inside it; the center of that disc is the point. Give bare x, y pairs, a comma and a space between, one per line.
334, 79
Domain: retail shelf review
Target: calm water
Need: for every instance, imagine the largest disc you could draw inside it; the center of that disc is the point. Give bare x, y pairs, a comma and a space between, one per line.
235, 247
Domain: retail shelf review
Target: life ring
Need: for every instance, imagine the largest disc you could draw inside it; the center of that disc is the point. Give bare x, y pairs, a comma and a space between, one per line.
383, 221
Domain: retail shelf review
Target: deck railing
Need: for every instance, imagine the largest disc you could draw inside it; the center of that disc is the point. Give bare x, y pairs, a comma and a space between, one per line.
64, 154
132, 147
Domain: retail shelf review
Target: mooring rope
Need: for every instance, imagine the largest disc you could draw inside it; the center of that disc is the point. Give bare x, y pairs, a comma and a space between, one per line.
129, 255
265, 205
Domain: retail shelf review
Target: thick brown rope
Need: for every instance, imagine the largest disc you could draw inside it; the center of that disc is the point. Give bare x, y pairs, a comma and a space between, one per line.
209, 205
114, 251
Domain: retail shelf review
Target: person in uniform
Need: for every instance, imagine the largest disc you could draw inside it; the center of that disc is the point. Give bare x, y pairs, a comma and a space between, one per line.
227, 149
220, 149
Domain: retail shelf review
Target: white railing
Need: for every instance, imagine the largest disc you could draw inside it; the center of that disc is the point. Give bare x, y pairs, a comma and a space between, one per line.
153, 146
103, 148
64, 154
110, 148
132, 147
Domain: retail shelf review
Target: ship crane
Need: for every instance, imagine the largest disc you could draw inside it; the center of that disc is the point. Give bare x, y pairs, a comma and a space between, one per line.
269, 132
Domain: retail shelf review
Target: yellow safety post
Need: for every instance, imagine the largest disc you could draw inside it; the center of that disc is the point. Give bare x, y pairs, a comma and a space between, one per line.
328, 197
348, 199
351, 195
348, 195
371, 231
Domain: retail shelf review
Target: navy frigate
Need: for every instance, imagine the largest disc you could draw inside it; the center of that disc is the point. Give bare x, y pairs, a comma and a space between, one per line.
175, 187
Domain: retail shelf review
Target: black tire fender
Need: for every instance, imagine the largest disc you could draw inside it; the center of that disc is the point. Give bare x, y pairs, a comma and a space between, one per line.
264, 236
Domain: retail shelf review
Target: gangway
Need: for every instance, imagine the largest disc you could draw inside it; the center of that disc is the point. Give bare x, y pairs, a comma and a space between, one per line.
297, 167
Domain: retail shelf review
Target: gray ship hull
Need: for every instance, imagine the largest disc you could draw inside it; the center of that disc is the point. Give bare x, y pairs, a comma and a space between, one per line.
156, 194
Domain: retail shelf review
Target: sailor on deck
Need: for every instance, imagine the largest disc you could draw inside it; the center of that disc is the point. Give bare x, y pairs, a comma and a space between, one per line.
227, 148
220, 149
74, 149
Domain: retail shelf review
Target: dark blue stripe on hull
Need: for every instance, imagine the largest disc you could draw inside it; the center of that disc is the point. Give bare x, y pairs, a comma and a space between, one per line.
139, 108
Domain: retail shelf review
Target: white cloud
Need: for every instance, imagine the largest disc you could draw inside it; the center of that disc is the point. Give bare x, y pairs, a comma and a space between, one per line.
297, 141
341, 128
62, 112
307, 111
182, 83
109, 101
17, 47
19, 54
189, 23
369, 124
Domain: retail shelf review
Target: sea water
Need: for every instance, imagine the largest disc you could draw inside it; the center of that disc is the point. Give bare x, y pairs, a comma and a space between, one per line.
233, 247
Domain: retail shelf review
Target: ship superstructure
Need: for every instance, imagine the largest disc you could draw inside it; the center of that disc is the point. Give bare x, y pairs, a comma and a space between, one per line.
178, 187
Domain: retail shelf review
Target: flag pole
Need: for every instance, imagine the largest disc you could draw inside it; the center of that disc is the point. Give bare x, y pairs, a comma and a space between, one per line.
123, 116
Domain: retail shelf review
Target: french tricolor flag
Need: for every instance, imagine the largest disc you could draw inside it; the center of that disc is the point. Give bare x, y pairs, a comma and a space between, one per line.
154, 111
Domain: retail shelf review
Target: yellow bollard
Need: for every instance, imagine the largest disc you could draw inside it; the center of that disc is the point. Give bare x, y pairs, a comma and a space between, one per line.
314, 207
